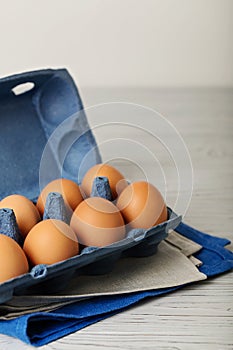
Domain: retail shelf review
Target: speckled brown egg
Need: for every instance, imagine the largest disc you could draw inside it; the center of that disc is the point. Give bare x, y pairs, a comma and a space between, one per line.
97, 222
25, 212
13, 261
116, 180
49, 242
67, 188
142, 205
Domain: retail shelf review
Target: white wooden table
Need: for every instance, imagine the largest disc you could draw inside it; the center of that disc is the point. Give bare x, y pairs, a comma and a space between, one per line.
198, 316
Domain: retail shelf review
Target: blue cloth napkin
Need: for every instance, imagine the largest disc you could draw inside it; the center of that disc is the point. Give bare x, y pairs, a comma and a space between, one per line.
43, 327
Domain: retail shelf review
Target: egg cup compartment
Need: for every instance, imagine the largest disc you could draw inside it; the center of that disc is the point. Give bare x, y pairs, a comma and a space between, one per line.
48, 279
8, 225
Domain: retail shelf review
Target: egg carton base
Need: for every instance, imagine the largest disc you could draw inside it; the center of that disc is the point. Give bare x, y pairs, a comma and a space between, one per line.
46, 279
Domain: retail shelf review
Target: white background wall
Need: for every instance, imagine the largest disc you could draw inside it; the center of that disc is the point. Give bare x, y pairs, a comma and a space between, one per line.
121, 42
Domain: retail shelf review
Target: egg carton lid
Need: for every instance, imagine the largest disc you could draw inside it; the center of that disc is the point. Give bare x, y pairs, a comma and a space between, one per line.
27, 121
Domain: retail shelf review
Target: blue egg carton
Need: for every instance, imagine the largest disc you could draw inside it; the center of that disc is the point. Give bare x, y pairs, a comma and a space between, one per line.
28, 120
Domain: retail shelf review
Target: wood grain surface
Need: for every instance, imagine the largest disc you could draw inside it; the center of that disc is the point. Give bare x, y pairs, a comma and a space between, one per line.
199, 316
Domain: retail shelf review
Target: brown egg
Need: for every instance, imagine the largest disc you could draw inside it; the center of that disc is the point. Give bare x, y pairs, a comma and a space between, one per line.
13, 261
97, 222
25, 211
142, 205
67, 188
50, 241
116, 180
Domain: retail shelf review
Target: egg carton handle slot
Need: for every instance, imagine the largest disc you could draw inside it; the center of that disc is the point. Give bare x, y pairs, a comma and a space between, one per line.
8, 84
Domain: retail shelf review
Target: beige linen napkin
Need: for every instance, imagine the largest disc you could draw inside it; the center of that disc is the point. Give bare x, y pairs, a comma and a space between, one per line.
167, 268
195, 261
185, 245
